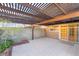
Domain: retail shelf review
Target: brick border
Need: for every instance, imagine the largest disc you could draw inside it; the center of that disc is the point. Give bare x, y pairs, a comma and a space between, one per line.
20, 43
8, 52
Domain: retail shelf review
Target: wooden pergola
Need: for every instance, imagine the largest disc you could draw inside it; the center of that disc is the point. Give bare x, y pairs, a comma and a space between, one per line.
39, 13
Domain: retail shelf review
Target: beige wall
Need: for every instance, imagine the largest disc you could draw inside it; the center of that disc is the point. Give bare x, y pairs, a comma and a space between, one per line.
66, 32
39, 33
27, 33
53, 32
18, 34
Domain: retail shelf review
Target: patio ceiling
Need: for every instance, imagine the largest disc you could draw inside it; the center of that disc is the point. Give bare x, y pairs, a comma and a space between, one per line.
35, 13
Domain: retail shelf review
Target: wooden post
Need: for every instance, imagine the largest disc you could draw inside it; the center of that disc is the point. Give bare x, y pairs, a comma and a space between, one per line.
32, 32
45, 32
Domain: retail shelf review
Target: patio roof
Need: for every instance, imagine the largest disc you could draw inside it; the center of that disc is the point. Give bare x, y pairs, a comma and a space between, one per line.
34, 13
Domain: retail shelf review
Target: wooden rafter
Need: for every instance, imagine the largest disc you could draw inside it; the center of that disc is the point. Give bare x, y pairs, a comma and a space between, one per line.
61, 17
12, 19
60, 8
41, 12
12, 15
16, 16
49, 6
23, 21
9, 4
18, 11
8, 14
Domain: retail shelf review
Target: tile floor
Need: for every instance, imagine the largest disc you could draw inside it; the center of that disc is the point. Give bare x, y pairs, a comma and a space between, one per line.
46, 47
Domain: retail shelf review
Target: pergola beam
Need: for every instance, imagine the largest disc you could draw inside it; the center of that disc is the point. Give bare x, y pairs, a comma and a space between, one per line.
60, 8
15, 16
15, 20
36, 9
18, 11
33, 32
61, 17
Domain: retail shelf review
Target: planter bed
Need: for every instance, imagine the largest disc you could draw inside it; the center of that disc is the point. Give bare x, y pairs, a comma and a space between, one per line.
8, 51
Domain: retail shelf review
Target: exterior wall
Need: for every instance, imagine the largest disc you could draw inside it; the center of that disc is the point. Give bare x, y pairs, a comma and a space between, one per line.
53, 32
78, 33
69, 32
66, 32
39, 33
72, 30
19, 34
16, 34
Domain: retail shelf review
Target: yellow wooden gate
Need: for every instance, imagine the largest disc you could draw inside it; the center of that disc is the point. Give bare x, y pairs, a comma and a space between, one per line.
63, 29
72, 32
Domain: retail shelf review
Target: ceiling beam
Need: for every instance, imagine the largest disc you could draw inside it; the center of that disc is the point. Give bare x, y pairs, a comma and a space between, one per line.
18, 19
4, 13
35, 9
15, 20
48, 7
61, 17
18, 11
16, 16
60, 8
12, 19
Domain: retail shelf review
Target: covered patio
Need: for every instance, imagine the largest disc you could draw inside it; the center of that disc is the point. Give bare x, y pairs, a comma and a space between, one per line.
39, 29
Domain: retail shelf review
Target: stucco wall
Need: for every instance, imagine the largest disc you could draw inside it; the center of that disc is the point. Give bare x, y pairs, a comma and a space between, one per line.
18, 34
52, 32
39, 33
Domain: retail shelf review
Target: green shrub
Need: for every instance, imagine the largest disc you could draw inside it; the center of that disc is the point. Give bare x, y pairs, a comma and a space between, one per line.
2, 47
6, 44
